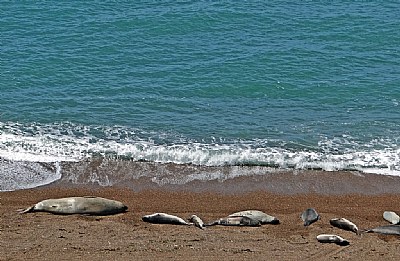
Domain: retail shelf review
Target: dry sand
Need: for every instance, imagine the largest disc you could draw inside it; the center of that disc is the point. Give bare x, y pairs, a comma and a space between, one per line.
44, 236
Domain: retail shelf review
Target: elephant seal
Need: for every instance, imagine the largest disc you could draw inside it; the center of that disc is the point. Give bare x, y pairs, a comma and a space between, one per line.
162, 218
391, 217
325, 238
236, 221
309, 216
78, 205
258, 215
197, 221
387, 230
344, 224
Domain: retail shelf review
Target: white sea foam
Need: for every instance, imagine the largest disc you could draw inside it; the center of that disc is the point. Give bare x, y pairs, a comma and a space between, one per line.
214, 174
22, 175
68, 142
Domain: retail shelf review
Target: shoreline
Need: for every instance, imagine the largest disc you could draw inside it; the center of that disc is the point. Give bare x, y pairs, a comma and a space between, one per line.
138, 176
277, 182
125, 236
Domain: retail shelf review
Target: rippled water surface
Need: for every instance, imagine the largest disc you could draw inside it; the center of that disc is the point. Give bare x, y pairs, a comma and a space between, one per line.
282, 84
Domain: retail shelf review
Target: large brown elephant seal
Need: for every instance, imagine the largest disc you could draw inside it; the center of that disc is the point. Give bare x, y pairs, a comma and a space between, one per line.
78, 205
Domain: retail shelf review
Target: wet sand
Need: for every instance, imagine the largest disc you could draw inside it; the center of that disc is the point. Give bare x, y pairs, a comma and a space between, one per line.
360, 198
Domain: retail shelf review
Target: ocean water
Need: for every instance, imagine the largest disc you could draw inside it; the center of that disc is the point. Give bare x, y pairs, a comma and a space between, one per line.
281, 85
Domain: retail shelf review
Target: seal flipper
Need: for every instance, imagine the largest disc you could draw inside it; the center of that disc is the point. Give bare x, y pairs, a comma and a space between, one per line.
343, 243
28, 210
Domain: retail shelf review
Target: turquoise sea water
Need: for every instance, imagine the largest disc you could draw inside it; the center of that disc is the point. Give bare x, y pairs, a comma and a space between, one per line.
283, 84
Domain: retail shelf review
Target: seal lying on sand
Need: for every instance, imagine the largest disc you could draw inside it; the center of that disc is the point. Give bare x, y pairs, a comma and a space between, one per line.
197, 221
387, 230
78, 205
236, 221
344, 224
391, 217
162, 218
324, 238
309, 216
258, 215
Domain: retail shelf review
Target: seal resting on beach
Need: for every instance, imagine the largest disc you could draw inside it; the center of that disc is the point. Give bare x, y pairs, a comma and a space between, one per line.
344, 224
258, 215
236, 221
325, 238
391, 217
387, 230
162, 218
197, 221
78, 205
309, 216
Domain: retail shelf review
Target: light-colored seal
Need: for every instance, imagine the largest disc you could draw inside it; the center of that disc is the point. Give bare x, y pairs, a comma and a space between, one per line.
257, 214
344, 224
325, 238
391, 217
78, 205
162, 218
236, 221
309, 216
197, 221
387, 230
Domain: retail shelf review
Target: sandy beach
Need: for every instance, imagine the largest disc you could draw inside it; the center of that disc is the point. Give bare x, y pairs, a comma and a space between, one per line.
361, 198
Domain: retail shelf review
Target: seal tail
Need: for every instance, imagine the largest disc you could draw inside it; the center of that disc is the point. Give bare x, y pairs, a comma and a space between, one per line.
212, 223
28, 210
343, 243
359, 232
362, 231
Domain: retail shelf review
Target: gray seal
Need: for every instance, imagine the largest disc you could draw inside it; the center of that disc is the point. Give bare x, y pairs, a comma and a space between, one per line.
326, 238
236, 221
258, 215
344, 224
387, 230
197, 221
309, 216
163, 218
78, 205
391, 217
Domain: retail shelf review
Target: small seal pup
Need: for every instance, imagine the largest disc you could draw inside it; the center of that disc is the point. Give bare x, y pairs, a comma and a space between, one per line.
236, 221
387, 230
78, 205
309, 216
197, 221
391, 217
162, 218
257, 214
344, 224
325, 238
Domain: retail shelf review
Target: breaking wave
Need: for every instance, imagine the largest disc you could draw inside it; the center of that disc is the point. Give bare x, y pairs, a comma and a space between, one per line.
25, 148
